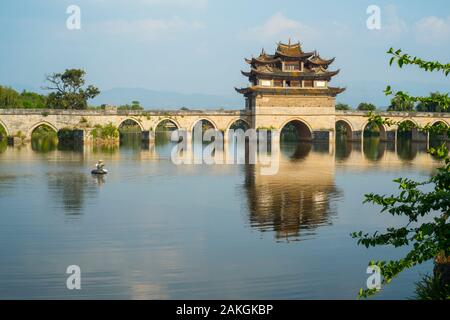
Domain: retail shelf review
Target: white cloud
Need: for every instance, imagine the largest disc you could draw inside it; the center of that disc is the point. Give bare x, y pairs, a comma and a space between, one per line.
174, 3
392, 25
279, 27
190, 3
148, 28
433, 30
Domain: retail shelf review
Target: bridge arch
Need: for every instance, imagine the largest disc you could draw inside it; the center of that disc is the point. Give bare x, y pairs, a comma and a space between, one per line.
163, 130
439, 121
367, 127
347, 127
411, 133
409, 120
131, 119
213, 124
298, 127
236, 121
436, 137
165, 120
42, 123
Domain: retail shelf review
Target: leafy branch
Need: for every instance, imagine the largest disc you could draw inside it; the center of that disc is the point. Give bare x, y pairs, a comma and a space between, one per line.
427, 238
402, 59
405, 59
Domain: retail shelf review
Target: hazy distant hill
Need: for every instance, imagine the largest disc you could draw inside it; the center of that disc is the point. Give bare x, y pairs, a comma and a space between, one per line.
372, 91
364, 91
152, 99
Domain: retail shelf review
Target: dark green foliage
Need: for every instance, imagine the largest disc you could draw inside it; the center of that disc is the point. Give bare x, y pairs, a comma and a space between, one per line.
363, 106
68, 90
32, 100
430, 106
135, 105
65, 135
108, 131
400, 105
9, 98
427, 232
343, 107
3, 134
429, 288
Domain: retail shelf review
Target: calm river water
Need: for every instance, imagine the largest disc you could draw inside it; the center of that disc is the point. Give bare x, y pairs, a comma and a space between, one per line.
153, 230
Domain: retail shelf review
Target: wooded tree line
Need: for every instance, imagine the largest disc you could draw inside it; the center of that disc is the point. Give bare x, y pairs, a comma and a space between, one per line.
67, 90
398, 104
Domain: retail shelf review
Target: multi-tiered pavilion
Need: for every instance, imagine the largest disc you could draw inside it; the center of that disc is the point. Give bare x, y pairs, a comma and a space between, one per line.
291, 82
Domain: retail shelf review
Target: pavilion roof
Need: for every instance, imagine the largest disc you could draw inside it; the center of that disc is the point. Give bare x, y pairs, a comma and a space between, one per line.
331, 91
315, 73
318, 60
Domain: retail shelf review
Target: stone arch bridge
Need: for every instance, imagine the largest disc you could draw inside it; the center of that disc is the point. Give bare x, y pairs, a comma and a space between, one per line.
311, 126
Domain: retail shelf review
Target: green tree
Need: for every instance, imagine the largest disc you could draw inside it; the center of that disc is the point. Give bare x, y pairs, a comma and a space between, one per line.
32, 100
343, 107
135, 105
364, 106
400, 105
9, 98
69, 91
425, 204
430, 106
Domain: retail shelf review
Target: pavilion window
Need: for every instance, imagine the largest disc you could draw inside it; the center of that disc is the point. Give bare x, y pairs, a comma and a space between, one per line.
321, 84
265, 83
291, 66
308, 83
278, 83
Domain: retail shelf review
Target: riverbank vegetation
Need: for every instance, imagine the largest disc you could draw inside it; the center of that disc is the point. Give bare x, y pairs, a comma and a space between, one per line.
427, 232
3, 134
106, 134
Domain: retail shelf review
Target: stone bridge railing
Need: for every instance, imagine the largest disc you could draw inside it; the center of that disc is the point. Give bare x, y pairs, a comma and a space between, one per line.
321, 126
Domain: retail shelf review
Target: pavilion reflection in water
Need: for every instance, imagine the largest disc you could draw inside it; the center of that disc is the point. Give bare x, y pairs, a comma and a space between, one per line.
298, 199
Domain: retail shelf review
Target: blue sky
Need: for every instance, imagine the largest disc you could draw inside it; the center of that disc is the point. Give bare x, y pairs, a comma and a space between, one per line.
198, 46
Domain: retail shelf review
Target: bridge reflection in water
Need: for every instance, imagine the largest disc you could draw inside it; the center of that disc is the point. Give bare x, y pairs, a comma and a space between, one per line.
295, 201
291, 204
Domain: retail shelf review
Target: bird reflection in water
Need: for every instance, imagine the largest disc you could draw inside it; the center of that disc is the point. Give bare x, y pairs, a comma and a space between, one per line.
99, 179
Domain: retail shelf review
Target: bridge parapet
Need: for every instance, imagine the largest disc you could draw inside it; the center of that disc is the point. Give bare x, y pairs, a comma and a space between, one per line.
390, 114
97, 112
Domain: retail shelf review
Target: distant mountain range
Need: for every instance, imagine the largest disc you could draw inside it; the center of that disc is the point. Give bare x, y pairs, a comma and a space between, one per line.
152, 99
357, 92
372, 91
